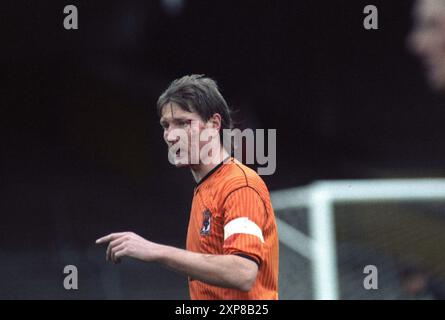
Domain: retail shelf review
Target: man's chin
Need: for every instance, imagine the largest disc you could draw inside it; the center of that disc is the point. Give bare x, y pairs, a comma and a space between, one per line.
178, 162
181, 165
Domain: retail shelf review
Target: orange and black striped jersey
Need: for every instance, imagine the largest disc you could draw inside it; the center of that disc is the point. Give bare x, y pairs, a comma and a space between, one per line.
232, 214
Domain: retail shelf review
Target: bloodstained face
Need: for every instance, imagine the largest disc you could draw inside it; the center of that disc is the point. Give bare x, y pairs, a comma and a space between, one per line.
186, 134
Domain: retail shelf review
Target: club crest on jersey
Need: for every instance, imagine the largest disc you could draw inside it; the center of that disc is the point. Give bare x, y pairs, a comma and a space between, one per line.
206, 222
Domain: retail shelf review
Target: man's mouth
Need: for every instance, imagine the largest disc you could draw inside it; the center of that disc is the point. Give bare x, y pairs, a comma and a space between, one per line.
177, 152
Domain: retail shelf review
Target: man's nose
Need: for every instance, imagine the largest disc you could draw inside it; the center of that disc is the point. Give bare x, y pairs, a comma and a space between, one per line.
169, 137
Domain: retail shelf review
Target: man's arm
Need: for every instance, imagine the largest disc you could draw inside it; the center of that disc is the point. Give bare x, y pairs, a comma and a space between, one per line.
228, 271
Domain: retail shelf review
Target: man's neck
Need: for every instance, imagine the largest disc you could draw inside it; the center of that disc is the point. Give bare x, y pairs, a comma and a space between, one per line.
201, 170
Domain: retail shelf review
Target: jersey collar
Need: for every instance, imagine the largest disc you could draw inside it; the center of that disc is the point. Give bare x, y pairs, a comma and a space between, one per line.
211, 172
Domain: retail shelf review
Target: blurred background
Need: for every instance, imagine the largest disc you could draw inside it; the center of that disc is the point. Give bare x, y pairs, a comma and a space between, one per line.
82, 155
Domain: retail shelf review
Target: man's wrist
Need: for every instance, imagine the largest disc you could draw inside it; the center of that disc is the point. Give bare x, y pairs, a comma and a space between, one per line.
161, 253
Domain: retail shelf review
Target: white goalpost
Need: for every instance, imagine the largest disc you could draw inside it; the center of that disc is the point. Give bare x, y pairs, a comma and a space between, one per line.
319, 198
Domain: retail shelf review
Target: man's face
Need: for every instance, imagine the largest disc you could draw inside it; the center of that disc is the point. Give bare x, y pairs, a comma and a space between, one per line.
183, 134
428, 39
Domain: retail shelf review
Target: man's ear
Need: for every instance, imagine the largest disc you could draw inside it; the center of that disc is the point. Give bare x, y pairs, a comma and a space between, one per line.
215, 121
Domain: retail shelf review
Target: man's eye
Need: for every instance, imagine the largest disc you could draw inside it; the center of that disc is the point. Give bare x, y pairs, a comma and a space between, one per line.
183, 123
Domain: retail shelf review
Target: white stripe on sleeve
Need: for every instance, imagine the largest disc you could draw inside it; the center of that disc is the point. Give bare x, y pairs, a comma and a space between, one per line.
242, 225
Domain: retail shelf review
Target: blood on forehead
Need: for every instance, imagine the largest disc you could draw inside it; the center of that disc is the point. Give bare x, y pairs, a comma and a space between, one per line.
172, 111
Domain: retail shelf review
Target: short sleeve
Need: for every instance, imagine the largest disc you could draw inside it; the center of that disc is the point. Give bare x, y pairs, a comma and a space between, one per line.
244, 219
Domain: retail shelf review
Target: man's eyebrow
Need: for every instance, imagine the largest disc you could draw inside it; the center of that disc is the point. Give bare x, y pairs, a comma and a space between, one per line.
180, 119
175, 119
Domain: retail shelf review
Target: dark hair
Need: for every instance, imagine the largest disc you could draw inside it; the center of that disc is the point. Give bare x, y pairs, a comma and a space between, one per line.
200, 94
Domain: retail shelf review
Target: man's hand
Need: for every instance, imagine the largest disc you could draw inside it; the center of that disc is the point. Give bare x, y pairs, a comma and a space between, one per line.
129, 244
227, 271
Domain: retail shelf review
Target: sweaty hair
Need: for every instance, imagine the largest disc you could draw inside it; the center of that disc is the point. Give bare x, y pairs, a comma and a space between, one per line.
200, 94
